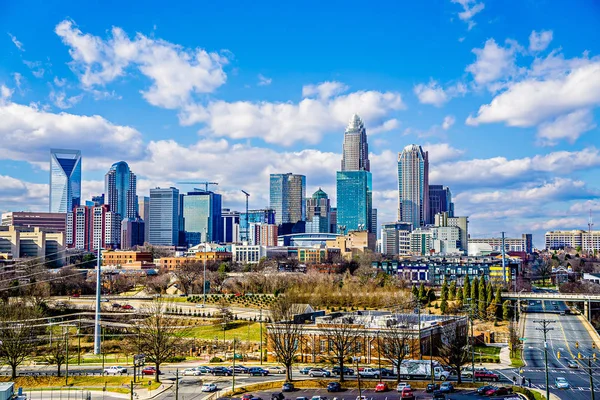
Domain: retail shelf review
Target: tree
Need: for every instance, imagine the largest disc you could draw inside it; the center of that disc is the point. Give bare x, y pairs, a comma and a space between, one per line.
395, 342
544, 271
284, 333
467, 288
18, 333
513, 339
415, 291
482, 305
422, 292
224, 313
452, 292
159, 335
474, 291
56, 354
506, 314
489, 295
444, 290
443, 306
188, 275
343, 335
459, 296
454, 348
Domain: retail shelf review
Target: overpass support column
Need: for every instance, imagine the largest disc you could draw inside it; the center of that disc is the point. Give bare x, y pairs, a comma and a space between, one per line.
589, 310
586, 309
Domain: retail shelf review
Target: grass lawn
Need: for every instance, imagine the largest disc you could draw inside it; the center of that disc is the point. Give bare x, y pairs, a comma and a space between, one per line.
242, 330
113, 383
516, 361
487, 353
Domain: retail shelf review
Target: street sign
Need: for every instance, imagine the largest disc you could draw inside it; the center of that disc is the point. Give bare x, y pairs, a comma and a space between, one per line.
522, 339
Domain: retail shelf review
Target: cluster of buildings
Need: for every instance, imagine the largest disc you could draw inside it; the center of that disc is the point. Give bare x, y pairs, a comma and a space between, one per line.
587, 241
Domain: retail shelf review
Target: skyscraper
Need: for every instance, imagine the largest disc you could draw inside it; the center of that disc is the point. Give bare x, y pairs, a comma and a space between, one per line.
164, 217
356, 150
202, 215
440, 200
231, 225
144, 212
286, 197
318, 208
413, 186
120, 190
354, 182
65, 180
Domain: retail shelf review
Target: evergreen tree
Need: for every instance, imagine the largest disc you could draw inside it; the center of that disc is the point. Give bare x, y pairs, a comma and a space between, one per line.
498, 298
459, 296
506, 310
466, 288
490, 294
481, 304
474, 295
452, 292
444, 306
422, 292
444, 291
415, 291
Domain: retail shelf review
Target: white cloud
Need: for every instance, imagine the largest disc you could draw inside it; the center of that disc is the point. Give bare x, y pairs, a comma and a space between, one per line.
585, 207
61, 100
493, 63
387, 126
18, 79
539, 41
569, 126
564, 223
433, 93
324, 90
36, 68
263, 80
449, 120
59, 82
17, 195
441, 152
287, 123
470, 9
176, 73
16, 42
5, 93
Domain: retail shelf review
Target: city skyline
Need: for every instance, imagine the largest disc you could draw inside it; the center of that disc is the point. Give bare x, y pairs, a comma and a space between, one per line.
245, 113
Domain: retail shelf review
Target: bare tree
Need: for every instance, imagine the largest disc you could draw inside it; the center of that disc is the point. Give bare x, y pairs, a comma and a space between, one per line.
514, 344
225, 315
544, 270
17, 333
284, 333
188, 275
343, 335
454, 348
395, 343
159, 284
160, 337
56, 353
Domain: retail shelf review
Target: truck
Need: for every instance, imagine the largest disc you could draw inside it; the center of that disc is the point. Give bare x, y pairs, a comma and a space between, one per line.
421, 369
369, 373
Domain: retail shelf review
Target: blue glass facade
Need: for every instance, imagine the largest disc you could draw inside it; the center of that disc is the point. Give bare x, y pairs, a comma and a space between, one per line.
202, 217
286, 197
65, 180
163, 217
354, 200
120, 188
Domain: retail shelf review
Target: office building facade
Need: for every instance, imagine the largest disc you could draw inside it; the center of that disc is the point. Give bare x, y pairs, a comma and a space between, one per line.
522, 244
413, 186
144, 213
120, 190
440, 200
163, 217
231, 225
202, 217
443, 220
355, 196
318, 209
395, 239
88, 227
27, 242
55, 222
65, 180
355, 148
286, 197
132, 233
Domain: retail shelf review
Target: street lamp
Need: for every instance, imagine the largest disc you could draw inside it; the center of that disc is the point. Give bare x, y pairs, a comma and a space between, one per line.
204, 278
378, 356
357, 360
223, 324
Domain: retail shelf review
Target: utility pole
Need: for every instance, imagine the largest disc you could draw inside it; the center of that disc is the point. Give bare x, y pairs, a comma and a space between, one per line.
545, 327
233, 372
591, 378
67, 357
204, 278
470, 317
430, 355
261, 337
503, 261
418, 305
177, 384
378, 356
98, 293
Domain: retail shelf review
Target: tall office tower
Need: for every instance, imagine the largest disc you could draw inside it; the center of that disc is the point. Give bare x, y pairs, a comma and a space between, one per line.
374, 221
132, 233
440, 200
120, 189
356, 149
333, 220
163, 217
444, 219
413, 186
318, 208
88, 226
263, 234
65, 180
286, 197
202, 215
144, 213
231, 225
354, 182
262, 216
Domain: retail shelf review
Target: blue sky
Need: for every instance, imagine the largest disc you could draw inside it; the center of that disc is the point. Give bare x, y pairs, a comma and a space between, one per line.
503, 94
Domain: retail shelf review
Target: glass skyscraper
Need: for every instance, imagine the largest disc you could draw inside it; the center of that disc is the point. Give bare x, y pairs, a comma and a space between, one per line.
65, 180
440, 200
120, 189
202, 217
286, 197
164, 217
413, 186
355, 148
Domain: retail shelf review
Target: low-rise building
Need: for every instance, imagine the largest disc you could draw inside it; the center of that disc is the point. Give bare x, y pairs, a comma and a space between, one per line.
122, 258
55, 222
353, 244
248, 254
23, 242
213, 256
174, 263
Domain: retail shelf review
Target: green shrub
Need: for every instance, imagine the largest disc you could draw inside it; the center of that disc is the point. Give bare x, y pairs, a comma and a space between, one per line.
216, 360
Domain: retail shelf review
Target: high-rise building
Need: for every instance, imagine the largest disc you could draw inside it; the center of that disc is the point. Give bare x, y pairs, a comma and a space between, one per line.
55, 222
355, 150
144, 212
443, 219
262, 216
333, 220
440, 200
163, 217
286, 197
395, 239
202, 215
65, 180
231, 225
318, 210
89, 226
413, 186
374, 222
120, 190
132, 233
263, 234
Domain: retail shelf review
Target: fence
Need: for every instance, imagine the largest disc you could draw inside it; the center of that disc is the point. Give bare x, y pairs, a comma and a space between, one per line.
59, 394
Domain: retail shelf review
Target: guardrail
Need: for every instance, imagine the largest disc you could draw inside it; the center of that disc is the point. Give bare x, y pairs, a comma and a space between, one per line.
551, 296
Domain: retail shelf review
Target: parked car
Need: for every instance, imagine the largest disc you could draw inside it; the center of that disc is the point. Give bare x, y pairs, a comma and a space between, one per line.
318, 398
287, 387
126, 307
320, 372
387, 372
75, 295
382, 387
432, 387
191, 372
334, 387
561, 383
302, 398
222, 371
239, 369
277, 396
209, 387
304, 370
276, 370
438, 395
572, 364
498, 391
401, 386
204, 369
486, 376
446, 387
257, 371
247, 396
407, 394
485, 388
149, 371
114, 370
347, 371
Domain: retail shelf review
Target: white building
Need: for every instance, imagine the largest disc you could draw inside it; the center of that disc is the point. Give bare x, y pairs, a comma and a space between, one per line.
446, 240
562, 239
247, 254
524, 243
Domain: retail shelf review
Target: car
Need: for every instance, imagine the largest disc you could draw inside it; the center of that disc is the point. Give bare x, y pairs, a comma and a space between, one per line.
149, 371
116, 305
302, 398
407, 394
239, 369
486, 376
75, 295
387, 372
257, 371
277, 396
247, 396
572, 364
347, 371
320, 372
104, 300
191, 372
126, 307
222, 371
334, 387
204, 369
304, 370
276, 370
209, 387
561, 383
432, 387
288, 387
498, 391
438, 395
484, 388
401, 386
446, 387
369, 373
361, 397
382, 387
114, 370
318, 398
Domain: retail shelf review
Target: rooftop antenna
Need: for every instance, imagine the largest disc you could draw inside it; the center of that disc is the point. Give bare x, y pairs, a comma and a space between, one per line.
590, 225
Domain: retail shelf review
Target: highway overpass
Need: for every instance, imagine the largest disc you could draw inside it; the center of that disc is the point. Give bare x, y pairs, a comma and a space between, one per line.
586, 299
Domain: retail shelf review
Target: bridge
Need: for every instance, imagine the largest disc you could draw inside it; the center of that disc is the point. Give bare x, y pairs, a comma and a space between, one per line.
586, 299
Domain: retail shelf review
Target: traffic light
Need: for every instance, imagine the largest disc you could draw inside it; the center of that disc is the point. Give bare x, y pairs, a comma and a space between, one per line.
594, 355
558, 354
593, 345
577, 345
578, 355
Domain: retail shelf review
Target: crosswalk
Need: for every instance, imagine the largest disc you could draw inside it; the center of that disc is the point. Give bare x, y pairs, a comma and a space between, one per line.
574, 388
557, 371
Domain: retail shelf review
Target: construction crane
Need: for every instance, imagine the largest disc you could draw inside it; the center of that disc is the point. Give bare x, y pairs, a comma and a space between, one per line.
247, 225
199, 183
